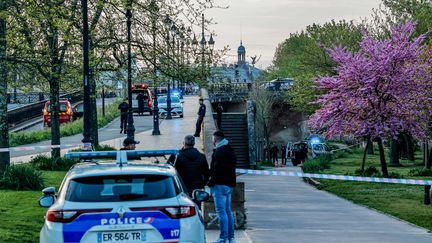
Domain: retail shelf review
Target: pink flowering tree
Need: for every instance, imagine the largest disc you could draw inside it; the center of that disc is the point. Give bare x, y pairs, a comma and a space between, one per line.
379, 91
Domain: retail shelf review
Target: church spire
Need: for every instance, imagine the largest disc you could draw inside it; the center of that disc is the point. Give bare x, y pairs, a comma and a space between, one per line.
241, 53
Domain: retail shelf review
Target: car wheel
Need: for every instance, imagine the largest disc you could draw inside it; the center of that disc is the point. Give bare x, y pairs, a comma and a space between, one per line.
181, 116
151, 113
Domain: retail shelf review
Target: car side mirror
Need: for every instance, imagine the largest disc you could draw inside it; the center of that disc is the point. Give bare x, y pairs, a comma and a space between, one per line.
200, 195
46, 201
49, 191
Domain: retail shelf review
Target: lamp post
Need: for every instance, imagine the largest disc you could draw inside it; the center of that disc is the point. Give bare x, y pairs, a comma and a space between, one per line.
167, 22
87, 141
156, 131
203, 44
130, 129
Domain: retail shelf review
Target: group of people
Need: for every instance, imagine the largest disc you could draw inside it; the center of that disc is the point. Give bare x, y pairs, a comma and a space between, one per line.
124, 109
194, 170
274, 152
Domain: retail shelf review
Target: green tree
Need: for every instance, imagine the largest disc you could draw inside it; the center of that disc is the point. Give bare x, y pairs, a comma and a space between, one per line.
303, 56
40, 36
4, 128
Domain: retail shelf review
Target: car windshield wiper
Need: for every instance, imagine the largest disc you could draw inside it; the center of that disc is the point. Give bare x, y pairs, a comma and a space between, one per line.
131, 196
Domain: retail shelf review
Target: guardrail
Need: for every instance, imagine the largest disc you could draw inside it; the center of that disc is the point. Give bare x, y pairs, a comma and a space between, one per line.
31, 111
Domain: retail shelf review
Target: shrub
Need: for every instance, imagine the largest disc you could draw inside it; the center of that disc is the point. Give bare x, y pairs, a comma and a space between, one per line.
420, 172
43, 162
311, 166
369, 172
104, 147
21, 177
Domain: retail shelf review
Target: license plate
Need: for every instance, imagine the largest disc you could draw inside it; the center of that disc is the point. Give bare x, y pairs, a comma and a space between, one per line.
121, 236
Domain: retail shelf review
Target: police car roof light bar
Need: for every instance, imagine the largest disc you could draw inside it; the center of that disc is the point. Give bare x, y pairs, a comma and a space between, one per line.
120, 156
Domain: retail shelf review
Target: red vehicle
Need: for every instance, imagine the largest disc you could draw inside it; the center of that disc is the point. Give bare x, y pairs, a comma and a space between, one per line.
148, 98
65, 112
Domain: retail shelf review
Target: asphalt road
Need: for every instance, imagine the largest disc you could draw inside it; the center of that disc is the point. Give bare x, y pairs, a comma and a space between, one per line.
111, 131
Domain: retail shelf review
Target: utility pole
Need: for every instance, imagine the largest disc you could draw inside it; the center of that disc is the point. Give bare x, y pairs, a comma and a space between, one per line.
130, 129
156, 130
87, 140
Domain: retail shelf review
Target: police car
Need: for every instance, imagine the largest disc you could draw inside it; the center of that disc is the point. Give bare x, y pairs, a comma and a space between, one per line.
121, 201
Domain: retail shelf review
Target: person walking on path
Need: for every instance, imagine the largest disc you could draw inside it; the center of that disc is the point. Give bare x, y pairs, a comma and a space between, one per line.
201, 114
222, 182
219, 110
283, 154
123, 107
140, 99
191, 165
274, 152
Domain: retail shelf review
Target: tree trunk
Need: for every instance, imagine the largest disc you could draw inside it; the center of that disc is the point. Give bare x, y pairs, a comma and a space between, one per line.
382, 157
364, 155
55, 122
370, 148
428, 162
4, 127
394, 152
93, 117
410, 147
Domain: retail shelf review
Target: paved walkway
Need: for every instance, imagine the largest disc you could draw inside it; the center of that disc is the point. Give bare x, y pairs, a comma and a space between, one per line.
285, 209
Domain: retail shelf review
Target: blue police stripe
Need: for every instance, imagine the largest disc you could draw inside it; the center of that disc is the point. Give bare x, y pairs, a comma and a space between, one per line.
335, 177
74, 231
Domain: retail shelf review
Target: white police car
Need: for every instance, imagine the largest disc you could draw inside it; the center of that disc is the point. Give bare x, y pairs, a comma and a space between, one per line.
107, 202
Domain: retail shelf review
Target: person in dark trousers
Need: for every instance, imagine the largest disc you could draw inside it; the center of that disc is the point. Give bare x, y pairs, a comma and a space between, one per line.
123, 107
219, 110
140, 99
191, 165
222, 182
283, 152
275, 151
201, 114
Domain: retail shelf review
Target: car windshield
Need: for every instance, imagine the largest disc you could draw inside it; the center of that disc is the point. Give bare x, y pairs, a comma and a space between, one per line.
174, 99
80, 108
63, 107
116, 188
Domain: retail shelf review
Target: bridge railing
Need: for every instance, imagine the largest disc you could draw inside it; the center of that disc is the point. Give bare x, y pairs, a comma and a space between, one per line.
28, 112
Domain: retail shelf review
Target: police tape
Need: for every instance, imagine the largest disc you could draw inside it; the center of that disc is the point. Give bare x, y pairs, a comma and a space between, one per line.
335, 177
347, 147
41, 147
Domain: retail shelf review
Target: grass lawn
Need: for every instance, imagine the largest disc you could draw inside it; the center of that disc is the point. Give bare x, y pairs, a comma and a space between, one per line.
21, 216
402, 201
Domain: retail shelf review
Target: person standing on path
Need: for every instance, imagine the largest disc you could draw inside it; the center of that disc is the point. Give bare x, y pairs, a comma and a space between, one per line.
140, 99
219, 110
283, 154
123, 107
275, 151
201, 114
222, 182
191, 165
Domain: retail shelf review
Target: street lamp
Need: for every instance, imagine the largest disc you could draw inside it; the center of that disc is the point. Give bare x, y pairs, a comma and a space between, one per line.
204, 44
130, 129
156, 131
87, 141
167, 22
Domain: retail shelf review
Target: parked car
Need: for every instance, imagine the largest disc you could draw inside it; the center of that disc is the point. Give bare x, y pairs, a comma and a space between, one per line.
78, 111
119, 201
176, 106
318, 149
148, 98
65, 112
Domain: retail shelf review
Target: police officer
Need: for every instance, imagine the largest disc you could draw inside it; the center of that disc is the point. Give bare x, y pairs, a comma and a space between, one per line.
123, 107
201, 114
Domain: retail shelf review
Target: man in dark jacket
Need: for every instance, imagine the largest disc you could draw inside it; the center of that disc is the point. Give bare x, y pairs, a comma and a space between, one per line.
140, 98
201, 114
222, 182
123, 107
191, 165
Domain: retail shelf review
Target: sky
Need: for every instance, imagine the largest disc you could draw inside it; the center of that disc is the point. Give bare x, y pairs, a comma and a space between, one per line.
263, 24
